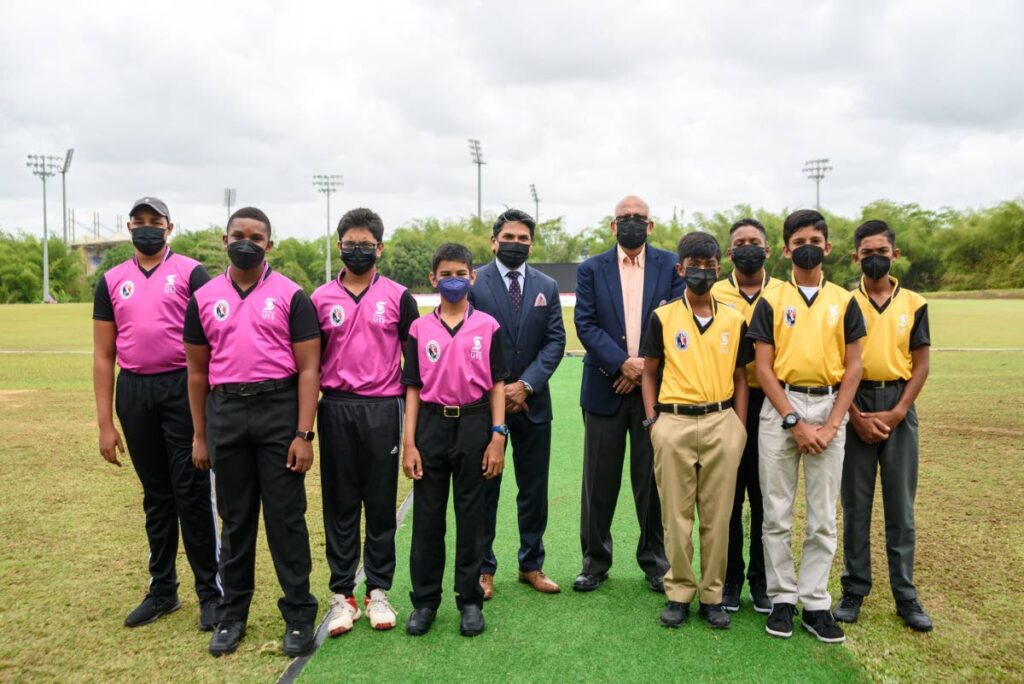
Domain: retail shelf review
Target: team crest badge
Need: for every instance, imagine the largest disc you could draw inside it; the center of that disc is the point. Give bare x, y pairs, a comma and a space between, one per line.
268, 309
682, 340
337, 315
378, 312
902, 323
433, 351
833, 315
221, 309
790, 316
127, 289
476, 353
169, 285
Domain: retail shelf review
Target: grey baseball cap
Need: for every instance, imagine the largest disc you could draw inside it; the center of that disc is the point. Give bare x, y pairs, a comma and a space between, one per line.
153, 203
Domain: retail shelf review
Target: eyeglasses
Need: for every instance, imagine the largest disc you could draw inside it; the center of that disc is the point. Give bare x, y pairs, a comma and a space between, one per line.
631, 217
363, 247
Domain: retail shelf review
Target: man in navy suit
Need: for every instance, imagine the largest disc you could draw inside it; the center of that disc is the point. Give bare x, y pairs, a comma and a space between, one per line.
615, 294
526, 304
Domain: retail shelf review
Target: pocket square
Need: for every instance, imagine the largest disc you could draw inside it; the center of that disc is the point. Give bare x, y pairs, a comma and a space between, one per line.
541, 300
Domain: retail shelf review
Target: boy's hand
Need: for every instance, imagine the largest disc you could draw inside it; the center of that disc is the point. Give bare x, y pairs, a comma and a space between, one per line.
494, 457
412, 465
623, 385
200, 454
868, 428
110, 444
300, 455
890, 419
808, 441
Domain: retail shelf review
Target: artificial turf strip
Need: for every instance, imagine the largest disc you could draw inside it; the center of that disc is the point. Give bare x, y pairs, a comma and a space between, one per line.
609, 634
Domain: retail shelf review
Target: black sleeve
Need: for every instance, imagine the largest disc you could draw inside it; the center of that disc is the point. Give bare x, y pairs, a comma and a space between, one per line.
920, 334
302, 321
197, 278
652, 343
408, 312
499, 368
745, 354
102, 307
762, 324
194, 333
853, 323
411, 369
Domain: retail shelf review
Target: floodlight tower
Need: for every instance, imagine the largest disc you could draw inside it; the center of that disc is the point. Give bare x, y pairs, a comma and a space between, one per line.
815, 170
45, 166
478, 159
327, 184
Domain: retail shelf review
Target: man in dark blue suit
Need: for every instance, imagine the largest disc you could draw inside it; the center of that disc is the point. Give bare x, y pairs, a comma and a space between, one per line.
615, 294
527, 306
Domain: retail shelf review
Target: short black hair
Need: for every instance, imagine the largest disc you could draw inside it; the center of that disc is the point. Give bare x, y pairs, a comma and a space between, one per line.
451, 251
873, 227
516, 215
698, 245
250, 213
803, 218
747, 221
361, 218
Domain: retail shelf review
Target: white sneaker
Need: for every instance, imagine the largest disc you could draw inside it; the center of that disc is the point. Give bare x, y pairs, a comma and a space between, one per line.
382, 615
344, 612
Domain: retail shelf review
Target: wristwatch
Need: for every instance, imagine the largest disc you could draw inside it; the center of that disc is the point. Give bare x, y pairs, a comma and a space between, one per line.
790, 420
501, 430
648, 422
527, 386
308, 436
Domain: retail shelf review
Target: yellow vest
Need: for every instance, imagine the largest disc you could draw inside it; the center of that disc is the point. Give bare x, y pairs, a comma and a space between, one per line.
728, 292
886, 350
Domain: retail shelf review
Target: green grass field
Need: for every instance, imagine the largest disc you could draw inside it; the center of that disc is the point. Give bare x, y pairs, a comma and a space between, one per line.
74, 551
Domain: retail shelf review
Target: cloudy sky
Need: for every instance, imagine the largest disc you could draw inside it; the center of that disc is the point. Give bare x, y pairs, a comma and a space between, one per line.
692, 105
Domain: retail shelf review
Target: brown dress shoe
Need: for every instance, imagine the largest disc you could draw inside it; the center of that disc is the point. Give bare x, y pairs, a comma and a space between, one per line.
539, 581
487, 584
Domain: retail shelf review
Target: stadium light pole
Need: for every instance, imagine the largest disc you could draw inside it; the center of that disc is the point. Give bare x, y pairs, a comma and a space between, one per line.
478, 159
64, 188
536, 203
45, 166
327, 184
815, 170
229, 200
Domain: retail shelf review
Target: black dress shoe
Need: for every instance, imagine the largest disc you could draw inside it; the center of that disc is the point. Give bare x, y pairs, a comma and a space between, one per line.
848, 608
914, 616
759, 597
420, 621
152, 608
731, 597
210, 614
226, 637
675, 614
587, 582
298, 639
714, 616
472, 622
657, 584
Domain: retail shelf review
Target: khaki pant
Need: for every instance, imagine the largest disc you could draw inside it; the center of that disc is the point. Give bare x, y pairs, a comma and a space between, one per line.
695, 461
780, 471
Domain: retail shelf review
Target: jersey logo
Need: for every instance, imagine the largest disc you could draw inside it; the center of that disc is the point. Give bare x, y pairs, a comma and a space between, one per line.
169, 285
268, 309
833, 315
378, 312
476, 353
789, 316
433, 351
337, 315
221, 309
723, 343
127, 289
682, 340
902, 324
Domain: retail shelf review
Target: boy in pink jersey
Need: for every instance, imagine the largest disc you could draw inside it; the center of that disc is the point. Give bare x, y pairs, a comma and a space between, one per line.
364, 320
253, 347
454, 437
138, 314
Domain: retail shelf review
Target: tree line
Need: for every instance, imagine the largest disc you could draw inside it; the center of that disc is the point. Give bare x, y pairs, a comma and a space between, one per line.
947, 249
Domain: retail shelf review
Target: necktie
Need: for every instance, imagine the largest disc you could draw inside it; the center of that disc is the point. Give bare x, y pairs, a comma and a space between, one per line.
515, 291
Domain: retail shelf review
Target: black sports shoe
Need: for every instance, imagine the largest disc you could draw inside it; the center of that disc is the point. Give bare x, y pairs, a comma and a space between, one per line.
226, 637
588, 582
848, 608
913, 615
472, 622
822, 625
656, 584
675, 614
714, 616
731, 597
152, 609
298, 639
210, 613
759, 597
420, 621
780, 622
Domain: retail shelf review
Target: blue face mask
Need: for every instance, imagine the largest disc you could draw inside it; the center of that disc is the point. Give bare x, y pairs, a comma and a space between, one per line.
454, 288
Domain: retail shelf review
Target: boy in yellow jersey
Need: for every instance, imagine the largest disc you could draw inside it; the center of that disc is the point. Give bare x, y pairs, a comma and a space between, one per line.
748, 249
882, 434
807, 335
695, 399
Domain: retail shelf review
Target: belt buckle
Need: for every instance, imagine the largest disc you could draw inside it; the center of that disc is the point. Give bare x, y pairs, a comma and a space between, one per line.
882, 384
675, 409
245, 389
451, 411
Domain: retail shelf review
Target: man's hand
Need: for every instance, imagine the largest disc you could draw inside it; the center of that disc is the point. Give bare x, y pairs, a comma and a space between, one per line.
515, 397
808, 441
868, 427
889, 419
623, 385
412, 464
300, 455
494, 457
632, 368
110, 444
826, 433
200, 453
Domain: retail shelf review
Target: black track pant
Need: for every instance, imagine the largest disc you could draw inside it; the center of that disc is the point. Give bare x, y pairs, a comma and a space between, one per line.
452, 450
248, 438
748, 482
157, 424
359, 452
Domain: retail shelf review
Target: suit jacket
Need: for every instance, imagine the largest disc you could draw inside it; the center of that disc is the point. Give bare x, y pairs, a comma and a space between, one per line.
534, 338
600, 319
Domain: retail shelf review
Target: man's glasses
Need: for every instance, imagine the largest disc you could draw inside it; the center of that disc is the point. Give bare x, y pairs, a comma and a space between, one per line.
631, 217
362, 247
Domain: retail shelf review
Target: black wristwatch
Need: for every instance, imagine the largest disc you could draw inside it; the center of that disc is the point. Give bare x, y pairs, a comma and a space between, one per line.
790, 420
308, 436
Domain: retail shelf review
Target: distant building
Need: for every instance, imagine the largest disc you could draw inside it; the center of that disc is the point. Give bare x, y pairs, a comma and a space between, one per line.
564, 274
93, 249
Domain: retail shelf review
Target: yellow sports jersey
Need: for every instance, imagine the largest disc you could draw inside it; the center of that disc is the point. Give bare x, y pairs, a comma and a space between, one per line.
810, 336
699, 361
895, 329
729, 293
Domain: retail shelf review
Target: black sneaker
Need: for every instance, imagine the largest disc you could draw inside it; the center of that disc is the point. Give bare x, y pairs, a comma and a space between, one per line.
152, 609
210, 613
714, 616
848, 608
472, 622
298, 639
822, 625
913, 615
675, 614
731, 597
420, 621
759, 597
780, 622
226, 637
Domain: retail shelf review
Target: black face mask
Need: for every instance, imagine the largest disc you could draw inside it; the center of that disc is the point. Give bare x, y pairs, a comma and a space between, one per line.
631, 233
808, 256
875, 266
245, 255
699, 280
513, 254
149, 239
748, 259
357, 261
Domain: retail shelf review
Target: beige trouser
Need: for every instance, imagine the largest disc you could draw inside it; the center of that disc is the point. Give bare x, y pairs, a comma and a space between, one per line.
695, 460
779, 469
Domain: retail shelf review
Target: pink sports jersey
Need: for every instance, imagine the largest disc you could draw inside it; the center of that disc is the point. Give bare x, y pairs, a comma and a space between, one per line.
149, 313
250, 339
362, 353
455, 370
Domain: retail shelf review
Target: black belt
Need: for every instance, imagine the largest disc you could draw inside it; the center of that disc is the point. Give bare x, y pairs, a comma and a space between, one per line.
352, 396
474, 409
250, 389
693, 409
816, 391
882, 384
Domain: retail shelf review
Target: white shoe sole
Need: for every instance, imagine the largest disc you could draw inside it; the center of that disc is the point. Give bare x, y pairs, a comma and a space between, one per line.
822, 639
762, 611
730, 609
779, 635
